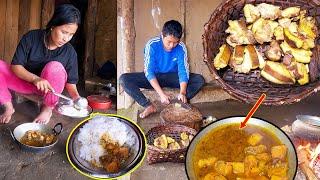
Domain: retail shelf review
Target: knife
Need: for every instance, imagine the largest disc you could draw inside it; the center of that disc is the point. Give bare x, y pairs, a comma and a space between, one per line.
183, 105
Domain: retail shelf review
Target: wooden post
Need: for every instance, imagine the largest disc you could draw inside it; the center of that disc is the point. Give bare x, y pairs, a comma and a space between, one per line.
47, 11
11, 31
90, 29
128, 35
126, 44
2, 27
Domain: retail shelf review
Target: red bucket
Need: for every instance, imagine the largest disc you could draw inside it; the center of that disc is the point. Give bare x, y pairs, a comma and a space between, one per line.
99, 102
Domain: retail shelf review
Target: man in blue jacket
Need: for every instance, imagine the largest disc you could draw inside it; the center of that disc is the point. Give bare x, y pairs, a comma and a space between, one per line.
165, 65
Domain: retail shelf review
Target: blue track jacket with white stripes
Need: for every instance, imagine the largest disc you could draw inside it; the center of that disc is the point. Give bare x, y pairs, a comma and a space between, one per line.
157, 60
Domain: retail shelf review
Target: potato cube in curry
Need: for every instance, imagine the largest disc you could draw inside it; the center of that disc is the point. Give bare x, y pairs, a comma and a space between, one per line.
254, 139
278, 178
255, 149
279, 152
223, 168
250, 162
279, 169
203, 163
220, 177
262, 178
263, 167
263, 157
237, 167
253, 178
214, 176
210, 176
255, 171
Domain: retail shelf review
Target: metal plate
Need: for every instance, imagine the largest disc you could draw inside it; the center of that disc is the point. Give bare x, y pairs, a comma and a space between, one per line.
311, 120
306, 131
60, 111
138, 149
292, 155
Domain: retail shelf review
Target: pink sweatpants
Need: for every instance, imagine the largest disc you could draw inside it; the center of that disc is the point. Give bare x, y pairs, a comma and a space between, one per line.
53, 72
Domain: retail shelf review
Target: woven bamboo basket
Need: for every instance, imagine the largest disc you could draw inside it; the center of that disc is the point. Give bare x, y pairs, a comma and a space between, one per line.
248, 87
158, 155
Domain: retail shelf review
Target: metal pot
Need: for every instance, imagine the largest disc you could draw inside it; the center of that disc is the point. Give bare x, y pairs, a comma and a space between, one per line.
20, 130
292, 155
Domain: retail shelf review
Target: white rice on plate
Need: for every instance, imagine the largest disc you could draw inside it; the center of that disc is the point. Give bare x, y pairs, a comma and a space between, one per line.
70, 110
90, 135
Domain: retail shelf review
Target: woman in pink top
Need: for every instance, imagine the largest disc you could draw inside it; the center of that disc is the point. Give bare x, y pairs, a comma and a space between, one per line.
44, 61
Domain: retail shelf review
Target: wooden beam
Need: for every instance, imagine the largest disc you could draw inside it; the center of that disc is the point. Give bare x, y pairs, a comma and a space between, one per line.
46, 12
90, 29
24, 17
2, 27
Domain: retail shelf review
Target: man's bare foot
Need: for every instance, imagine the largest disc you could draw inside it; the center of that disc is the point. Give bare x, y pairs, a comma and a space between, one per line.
6, 116
149, 110
44, 116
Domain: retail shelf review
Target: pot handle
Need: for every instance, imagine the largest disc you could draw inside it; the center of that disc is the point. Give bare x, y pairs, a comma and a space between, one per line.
57, 129
12, 135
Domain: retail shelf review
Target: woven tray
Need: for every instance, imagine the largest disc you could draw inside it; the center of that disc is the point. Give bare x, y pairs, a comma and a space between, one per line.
158, 155
248, 87
178, 115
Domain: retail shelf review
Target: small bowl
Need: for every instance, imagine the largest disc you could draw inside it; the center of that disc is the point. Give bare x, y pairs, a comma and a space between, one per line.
99, 102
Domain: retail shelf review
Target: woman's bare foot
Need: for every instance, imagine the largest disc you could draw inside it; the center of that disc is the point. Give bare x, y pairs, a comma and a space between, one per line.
6, 116
44, 116
149, 110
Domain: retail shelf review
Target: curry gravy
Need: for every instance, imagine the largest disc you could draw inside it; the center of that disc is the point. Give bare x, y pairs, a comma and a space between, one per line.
228, 143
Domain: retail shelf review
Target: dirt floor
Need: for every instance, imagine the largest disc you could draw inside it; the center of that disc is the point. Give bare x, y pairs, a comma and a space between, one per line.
278, 115
53, 164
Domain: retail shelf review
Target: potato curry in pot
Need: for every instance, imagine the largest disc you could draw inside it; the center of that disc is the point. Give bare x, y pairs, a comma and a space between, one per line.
37, 138
242, 154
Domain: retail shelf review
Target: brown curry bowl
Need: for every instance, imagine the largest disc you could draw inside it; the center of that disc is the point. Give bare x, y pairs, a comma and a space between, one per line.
20, 131
274, 131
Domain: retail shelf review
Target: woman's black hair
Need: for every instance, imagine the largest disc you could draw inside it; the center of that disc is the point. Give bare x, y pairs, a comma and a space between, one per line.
64, 14
173, 28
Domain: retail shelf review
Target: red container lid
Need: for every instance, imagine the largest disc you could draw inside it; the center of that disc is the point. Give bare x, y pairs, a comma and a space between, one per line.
99, 102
